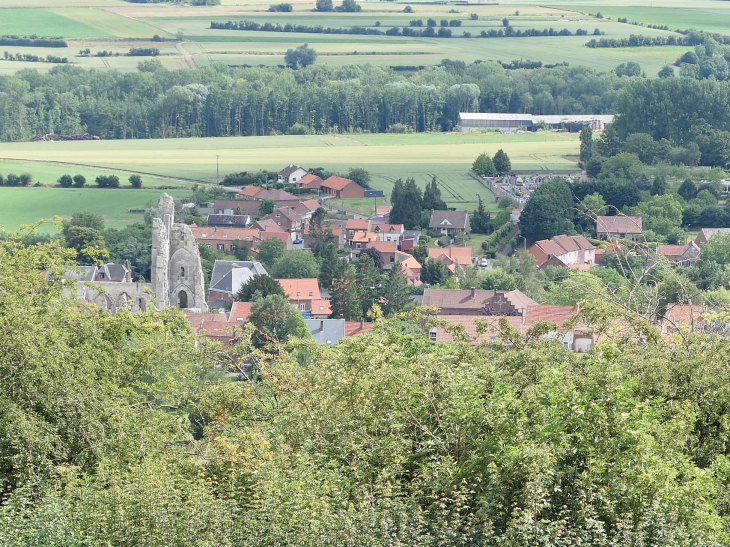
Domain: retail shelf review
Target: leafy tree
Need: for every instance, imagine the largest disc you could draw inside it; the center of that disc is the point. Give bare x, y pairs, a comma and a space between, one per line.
408, 9
88, 220
666, 72
345, 299
659, 187
715, 148
628, 69
135, 181
688, 189
325, 5
484, 166
88, 244
593, 167
360, 176
266, 207
480, 219
406, 204
367, 278
65, 181
610, 142
79, 181
276, 321
505, 202
502, 162
397, 293
270, 250
349, 6
25, 179
433, 272
505, 22
300, 57
661, 213
623, 166
12, 180
330, 261
548, 212
641, 144
241, 250
432, 197
259, 286
295, 265
717, 249
586, 143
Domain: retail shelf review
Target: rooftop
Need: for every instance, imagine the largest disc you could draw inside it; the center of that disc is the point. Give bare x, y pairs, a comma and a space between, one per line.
619, 224
337, 183
301, 289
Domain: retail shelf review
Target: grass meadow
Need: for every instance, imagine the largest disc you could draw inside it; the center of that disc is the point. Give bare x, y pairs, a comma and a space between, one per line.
28, 205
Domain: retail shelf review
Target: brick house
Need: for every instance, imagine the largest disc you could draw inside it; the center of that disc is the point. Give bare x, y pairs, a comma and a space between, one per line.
342, 188
309, 181
563, 250
224, 239
452, 257
387, 250
681, 255
286, 219
307, 208
410, 266
389, 232
449, 222
302, 293
291, 174
619, 227
228, 276
354, 226
707, 233
474, 302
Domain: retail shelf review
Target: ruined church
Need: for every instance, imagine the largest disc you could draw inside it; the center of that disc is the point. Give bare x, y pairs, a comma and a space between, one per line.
177, 273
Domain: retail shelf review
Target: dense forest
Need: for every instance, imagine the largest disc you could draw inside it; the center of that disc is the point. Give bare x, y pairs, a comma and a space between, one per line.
121, 430
220, 101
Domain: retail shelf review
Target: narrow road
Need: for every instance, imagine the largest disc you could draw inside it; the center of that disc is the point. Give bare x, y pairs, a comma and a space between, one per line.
186, 55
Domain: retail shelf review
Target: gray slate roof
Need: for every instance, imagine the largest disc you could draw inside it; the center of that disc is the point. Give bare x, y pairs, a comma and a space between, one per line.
229, 275
288, 170
326, 331
456, 219
228, 220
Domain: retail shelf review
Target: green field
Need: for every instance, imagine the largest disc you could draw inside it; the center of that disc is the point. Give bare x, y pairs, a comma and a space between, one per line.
187, 161
28, 205
117, 26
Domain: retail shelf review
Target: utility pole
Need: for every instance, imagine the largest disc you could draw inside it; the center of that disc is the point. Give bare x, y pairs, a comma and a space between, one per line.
217, 176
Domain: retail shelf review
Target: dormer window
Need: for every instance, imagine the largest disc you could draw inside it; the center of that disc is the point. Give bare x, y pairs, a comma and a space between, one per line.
299, 294
311, 293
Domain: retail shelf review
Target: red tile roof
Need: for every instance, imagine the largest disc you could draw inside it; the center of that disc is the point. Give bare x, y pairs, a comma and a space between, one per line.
473, 300
449, 255
211, 325
205, 233
337, 183
239, 312
309, 180
619, 224
321, 307
249, 191
300, 289
357, 224
383, 246
353, 328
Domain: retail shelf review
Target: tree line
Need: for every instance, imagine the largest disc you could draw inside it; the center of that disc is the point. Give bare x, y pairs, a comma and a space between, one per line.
225, 101
32, 41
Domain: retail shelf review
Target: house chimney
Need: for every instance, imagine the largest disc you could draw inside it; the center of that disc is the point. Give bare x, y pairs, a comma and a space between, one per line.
473, 292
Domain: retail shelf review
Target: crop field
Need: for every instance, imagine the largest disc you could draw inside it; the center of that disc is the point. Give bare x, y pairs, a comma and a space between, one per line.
115, 25
28, 205
186, 161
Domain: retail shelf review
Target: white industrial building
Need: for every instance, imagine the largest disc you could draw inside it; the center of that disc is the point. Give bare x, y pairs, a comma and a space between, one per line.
529, 122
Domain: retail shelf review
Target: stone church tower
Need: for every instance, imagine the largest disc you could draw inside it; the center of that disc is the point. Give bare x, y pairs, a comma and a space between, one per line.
177, 273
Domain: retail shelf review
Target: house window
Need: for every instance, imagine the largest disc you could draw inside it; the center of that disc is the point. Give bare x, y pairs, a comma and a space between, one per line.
221, 246
311, 293
299, 294
432, 335
302, 307
392, 259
